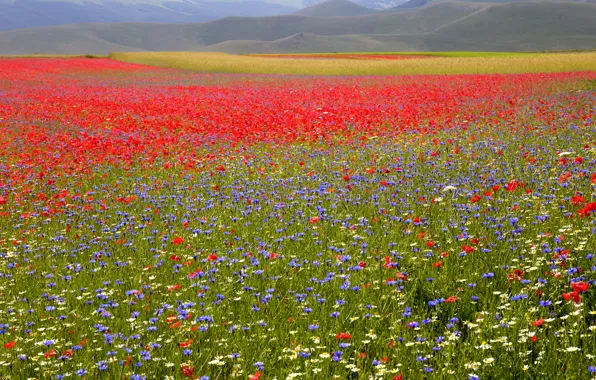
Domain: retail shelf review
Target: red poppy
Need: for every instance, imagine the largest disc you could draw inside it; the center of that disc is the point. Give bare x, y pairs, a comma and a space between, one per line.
343, 336
187, 370
256, 376
9, 345
517, 275
538, 322
589, 208
171, 319
512, 185
467, 248
49, 354
185, 344
580, 287
178, 240
572, 296
388, 262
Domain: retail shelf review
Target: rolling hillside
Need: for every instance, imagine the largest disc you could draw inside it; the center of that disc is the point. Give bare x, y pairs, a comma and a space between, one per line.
440, 26
335, 8
34, 13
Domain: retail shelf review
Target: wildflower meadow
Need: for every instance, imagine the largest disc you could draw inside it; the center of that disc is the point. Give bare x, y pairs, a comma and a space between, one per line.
157, 223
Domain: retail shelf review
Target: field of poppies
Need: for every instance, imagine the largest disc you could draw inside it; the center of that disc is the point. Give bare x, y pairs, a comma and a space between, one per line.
159, 223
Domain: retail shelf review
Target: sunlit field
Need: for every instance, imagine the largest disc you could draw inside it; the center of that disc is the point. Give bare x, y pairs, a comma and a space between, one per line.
357, 64
161, 223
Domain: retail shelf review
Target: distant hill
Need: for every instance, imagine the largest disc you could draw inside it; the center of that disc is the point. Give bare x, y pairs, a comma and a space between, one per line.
439, 26
411, 4
370, 4
32, 13
335, 8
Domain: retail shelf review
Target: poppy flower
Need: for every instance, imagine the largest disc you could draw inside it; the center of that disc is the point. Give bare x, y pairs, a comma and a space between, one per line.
171, 319
177, 240
538, 322
256, 376
185, 344
572, 296
343, 336
9, 345
588, 209
49, 354
512, 185
187, 370
580, 287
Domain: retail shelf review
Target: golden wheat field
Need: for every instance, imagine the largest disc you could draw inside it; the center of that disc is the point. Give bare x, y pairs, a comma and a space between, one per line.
450, 64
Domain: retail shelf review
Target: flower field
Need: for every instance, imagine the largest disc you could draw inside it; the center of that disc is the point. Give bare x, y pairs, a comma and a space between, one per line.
159, 223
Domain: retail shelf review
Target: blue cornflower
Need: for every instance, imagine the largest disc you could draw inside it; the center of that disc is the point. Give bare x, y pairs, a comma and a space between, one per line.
81, 372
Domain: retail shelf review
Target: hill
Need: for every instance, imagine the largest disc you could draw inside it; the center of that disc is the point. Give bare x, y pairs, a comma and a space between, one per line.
441, 26
335, 8
33, 13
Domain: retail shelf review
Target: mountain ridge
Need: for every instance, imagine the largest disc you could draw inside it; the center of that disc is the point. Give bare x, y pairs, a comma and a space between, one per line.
439, 26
